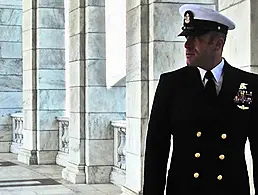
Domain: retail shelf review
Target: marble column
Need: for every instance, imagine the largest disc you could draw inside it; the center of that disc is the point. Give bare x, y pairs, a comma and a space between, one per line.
10, 68
43, 75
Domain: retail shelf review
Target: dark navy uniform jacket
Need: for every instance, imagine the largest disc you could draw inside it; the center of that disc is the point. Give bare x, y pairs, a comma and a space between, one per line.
208, 138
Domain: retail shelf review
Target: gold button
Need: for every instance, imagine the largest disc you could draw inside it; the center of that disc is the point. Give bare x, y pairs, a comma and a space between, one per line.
221, 157
197, 155
219, 177
224, 136
196, 175
199, 134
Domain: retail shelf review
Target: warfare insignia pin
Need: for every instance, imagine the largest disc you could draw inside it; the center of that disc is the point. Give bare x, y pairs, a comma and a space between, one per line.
244, 98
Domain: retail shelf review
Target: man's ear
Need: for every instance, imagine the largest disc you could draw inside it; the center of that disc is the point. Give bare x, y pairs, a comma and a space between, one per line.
220, 43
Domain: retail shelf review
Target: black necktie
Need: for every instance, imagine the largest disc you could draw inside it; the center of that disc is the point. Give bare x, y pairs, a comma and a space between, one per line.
210, 88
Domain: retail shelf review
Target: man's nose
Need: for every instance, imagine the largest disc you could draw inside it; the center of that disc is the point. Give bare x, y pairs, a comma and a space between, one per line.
188, 43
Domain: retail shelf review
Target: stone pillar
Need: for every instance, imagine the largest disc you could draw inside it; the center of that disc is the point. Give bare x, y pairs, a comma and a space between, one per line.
75, 170
137, 92
10, 68
43, 74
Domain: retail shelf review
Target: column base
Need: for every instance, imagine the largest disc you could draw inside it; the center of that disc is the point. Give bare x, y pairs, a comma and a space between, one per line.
98, 174
62, 159
28, 157
127, 191
74, 173
46, 157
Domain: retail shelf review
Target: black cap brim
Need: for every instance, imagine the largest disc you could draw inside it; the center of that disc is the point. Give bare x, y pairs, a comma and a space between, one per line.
193, 32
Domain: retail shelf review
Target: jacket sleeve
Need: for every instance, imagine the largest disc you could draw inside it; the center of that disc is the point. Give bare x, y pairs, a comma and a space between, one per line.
253, 139
157, 142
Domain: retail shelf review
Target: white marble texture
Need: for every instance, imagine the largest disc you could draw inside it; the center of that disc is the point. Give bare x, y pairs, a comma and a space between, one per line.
137, 62
6, 133
137, 101
98, 125
10, 33
137, 25
29, 119
76, 150
47, 119
76, 26
28, 138
77, 96
51, 99
11, 3
95, 46
135, 136
97, 174
11, 83
50, 3
77, 48
11, 100
51, 59
236, 52
50, 18
28, 4
99, 152
77, 68
51, 79
29, 79
76, 125
10, 50
29, 98
28, 24
10, 16
74, 173
96, 72
46, 157
29, 60
11, 66
165, 56
76, 4
95, 2
51, 38
28, 39
185, 1
227, 4
95, 19
107, 102
130, 4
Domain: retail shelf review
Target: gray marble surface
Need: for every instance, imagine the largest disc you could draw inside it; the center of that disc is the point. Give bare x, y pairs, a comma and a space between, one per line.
77, 68
11, 4
10, 83
51, 59
76, 48
95, 46
10, 33
50, 18
47, 119
5, 133
10, 50
51, 38
185, 1
51, 99
95, 3
11, 67
96, 72
76, 21
95, 19
11, 100
10, 16
51, 79
47, 140
98, 174
130, 4
50, 3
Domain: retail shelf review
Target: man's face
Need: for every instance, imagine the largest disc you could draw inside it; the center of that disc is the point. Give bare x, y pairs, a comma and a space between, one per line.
199, 50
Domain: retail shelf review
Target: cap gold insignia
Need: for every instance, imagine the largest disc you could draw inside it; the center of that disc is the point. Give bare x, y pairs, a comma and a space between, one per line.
244, 98
187, 18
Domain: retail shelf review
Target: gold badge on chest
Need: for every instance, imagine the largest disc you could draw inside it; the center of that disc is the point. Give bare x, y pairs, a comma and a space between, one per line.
243, 98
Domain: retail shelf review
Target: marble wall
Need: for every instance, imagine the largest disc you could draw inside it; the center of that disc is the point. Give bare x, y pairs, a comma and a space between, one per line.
44, 79
10, 67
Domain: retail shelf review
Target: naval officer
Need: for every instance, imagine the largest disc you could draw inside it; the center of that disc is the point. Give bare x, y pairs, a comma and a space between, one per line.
210, 108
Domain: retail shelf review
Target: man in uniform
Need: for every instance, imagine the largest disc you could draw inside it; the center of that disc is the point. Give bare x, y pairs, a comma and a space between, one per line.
210, 108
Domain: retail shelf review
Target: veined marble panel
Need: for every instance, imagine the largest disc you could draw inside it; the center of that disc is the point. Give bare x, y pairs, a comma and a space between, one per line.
51, 79
95, 3
11, 4
5, 133
5, 114
185, 1
137, 101
98, 174
49, 99
95, 72
77, 98
95, 46
51, 59
5, 146
29, 139
102, 99
130, 4
10, 50
77, 68
76, 21
10, 83
137, 62
29, 98
95, 19
77, 125
165, 57
227, 4
135, 136
47, 119
10, 16
47, 157
51, 38
47, 140
76, 148
137, 25
11, 100
11, 67
98, 125
99, 152
50, 18
11, 33
77, 47
50, 3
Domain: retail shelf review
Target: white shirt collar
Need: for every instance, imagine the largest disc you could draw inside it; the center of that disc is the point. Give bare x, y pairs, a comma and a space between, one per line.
216, 71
